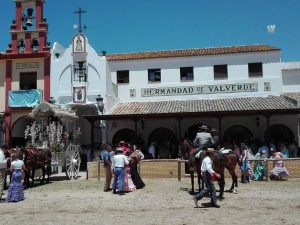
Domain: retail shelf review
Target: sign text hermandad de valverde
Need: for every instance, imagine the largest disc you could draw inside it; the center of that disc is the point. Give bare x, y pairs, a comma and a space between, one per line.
200, 89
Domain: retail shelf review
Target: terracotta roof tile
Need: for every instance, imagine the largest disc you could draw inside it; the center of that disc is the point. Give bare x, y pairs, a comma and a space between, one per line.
204, 105
293, 97
190, 52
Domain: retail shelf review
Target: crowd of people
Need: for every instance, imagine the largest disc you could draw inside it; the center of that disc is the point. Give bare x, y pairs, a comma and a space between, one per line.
122, 165
259, 151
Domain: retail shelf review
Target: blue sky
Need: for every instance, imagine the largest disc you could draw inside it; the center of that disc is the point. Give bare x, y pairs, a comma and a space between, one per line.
119, 26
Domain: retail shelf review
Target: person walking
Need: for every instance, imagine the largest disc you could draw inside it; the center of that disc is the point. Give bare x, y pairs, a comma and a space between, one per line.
3, 167
208, 175
107, 167
118, 163
15, 190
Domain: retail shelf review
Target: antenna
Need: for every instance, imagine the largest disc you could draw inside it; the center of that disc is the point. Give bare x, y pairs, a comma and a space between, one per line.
76, 27
271, 30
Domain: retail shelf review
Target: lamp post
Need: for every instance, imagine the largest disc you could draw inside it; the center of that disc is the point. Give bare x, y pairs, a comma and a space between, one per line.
100, 105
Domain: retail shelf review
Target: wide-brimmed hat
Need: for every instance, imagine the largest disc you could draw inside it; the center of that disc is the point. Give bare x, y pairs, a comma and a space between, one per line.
122, 142
214, 130
119, 149
203, 127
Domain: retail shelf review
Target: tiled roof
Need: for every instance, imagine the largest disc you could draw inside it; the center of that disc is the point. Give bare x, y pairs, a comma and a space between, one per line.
191, 52
205, 106
293, 97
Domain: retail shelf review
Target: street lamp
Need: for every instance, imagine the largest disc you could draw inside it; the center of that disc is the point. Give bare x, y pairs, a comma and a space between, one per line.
100, 103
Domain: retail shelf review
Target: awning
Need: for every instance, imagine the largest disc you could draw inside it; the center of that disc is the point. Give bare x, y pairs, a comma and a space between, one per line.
284, 104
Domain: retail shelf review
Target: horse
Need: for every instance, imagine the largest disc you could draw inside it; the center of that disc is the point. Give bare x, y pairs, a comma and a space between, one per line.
36, 159
185, 149
220, 162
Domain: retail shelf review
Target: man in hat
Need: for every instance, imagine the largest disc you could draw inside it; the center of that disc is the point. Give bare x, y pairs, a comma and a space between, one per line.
208, 175
106, 156
3, 167
118, 162
203, 141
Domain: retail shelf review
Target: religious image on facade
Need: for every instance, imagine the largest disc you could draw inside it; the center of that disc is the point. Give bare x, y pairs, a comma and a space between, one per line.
79, 43
79, 94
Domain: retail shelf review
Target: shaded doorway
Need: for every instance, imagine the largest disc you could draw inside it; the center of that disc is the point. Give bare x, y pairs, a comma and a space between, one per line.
237, 134
280, 133
163, 137
126, 135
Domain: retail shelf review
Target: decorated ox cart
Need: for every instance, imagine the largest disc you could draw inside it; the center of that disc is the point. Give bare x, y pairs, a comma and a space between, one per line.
53, 129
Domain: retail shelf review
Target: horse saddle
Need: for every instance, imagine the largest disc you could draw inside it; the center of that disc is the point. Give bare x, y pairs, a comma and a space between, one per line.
225, 151
199, 154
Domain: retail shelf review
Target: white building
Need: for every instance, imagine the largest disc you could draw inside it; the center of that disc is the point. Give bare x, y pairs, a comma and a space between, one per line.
242, 91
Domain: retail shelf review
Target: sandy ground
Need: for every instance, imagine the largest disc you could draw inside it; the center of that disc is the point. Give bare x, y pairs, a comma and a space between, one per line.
162, 201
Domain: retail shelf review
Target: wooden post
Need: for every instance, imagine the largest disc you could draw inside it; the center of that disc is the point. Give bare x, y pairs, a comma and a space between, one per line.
267, 170
179, 170
98, 170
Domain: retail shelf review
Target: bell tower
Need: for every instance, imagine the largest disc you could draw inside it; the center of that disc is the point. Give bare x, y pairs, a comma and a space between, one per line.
29, 29
27, 66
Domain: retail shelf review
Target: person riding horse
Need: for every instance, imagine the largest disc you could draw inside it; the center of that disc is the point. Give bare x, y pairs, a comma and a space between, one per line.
203, 141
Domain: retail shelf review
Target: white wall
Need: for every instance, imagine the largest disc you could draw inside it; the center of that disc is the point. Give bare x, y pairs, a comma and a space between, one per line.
203, 74
291, 76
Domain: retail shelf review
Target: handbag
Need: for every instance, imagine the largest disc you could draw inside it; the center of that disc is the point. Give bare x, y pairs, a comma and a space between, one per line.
213, 177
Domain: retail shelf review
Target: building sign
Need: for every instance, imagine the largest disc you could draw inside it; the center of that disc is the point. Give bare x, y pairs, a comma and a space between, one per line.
79, 94
200, 89
267, 86
27, 65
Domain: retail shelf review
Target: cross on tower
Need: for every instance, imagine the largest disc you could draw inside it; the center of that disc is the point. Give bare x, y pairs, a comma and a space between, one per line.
80, 11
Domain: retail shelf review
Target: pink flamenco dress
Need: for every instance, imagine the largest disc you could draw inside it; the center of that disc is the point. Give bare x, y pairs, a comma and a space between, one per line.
128, 183
279, 170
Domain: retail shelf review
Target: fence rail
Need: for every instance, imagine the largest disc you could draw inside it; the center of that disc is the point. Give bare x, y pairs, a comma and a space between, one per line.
176, 168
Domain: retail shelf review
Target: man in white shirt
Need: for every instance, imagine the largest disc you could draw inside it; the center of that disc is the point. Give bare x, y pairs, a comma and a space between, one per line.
3, 167
118, 163
207, 173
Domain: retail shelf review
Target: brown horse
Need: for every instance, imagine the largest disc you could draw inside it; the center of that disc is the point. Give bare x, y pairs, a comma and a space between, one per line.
186, 152
36, 159
220, 162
